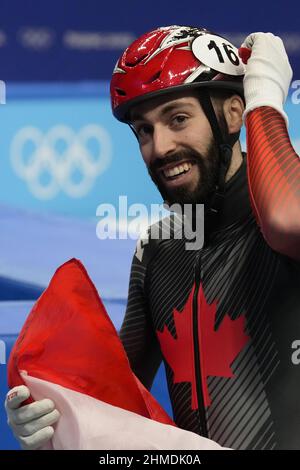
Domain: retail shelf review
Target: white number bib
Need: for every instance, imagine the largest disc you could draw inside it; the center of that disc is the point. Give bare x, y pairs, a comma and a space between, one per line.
218, 54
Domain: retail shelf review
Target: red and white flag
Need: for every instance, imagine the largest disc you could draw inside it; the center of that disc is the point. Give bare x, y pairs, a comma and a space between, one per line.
69, 351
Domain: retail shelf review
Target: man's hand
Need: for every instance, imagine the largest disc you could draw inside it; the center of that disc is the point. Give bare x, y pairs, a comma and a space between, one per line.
268, 73
31, 424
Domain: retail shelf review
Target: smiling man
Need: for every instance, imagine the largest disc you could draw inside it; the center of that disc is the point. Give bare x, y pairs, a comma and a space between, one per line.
223, 318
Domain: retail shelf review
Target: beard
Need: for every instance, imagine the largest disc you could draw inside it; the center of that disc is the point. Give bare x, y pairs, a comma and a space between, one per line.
208, 173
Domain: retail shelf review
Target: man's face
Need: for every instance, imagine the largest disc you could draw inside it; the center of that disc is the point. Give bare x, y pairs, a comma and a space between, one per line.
177, 146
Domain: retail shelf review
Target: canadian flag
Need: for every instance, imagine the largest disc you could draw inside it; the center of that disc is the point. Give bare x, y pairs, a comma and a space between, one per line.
69, 351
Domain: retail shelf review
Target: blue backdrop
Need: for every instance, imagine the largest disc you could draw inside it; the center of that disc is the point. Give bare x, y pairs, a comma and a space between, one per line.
75, 40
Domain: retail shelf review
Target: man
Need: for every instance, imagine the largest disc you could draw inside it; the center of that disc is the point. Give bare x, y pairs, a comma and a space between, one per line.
223, 317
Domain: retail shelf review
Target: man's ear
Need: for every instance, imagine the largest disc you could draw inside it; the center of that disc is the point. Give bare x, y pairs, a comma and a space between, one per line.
233, 108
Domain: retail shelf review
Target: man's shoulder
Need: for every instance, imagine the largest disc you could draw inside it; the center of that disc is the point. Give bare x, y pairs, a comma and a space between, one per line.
157, 233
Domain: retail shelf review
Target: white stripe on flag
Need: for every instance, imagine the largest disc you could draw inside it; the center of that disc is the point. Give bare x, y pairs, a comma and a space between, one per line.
87, 423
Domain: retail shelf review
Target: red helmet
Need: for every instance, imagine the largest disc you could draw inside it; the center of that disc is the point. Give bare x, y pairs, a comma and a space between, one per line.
173, 58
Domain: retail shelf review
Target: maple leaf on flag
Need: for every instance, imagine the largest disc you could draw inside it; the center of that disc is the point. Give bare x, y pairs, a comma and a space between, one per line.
218, 349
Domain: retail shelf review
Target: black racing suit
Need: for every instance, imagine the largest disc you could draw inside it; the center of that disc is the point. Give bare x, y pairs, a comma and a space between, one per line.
224, 318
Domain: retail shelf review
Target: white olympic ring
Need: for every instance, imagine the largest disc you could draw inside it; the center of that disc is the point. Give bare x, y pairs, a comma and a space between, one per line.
44, 158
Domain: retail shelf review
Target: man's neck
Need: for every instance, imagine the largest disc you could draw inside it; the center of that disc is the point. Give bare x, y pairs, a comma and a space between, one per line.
236, 161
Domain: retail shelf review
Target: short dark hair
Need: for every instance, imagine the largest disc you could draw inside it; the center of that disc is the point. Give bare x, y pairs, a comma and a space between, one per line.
222, 95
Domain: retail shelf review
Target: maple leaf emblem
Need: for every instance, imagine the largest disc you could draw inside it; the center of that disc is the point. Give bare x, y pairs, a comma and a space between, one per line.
218, 349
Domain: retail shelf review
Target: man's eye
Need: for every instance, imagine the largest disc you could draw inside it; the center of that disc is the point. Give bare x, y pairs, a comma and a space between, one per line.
143, 130
179, 119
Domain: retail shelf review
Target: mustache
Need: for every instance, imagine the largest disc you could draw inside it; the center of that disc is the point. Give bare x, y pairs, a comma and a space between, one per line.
178, 157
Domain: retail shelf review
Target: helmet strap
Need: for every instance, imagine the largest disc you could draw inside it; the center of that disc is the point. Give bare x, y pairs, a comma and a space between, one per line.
224, 145
133, 130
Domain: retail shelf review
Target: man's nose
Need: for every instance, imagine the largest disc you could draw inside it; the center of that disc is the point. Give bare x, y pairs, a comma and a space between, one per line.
163, 142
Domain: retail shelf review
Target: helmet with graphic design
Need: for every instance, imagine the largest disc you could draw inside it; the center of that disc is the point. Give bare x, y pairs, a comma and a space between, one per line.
170, 59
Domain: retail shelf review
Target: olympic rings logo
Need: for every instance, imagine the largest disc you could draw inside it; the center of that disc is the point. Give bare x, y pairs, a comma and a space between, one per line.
37, 38
60, 159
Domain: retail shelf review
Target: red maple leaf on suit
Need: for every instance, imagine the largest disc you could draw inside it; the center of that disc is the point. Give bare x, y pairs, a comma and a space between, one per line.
218, 349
